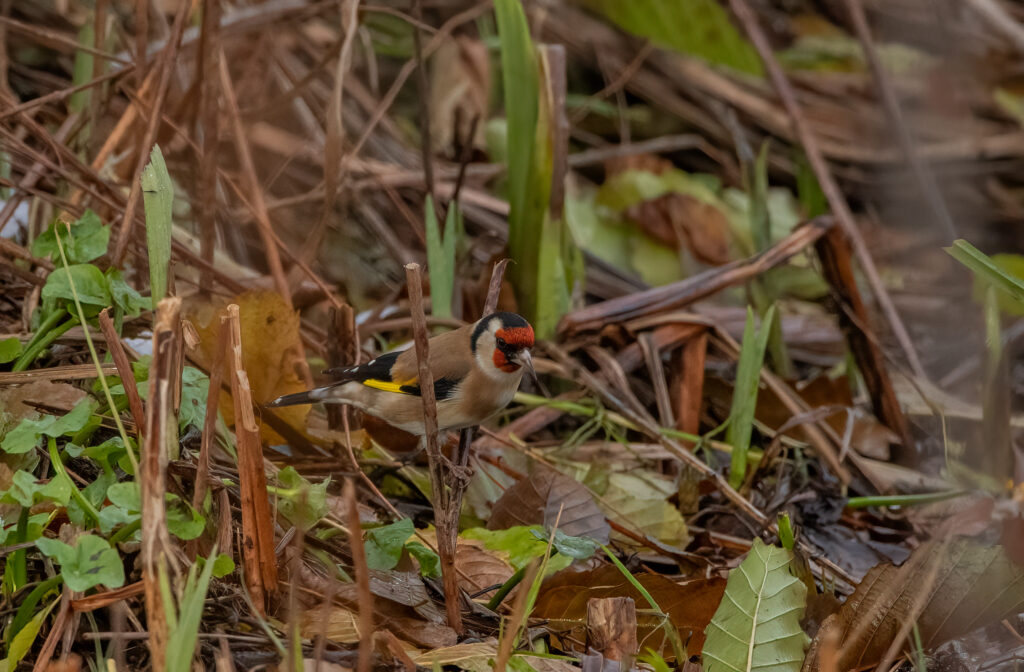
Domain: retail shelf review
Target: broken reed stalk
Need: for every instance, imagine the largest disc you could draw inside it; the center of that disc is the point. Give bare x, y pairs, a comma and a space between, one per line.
362, 572
837, 267
685, 292
819, 166
124, 369
160, 434
687, 365
445, 519
611, 629
202, 484
258, 557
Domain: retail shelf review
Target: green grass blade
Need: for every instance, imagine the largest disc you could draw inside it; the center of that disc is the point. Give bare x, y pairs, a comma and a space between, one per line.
184, 634
158, 194
441, 257
757, 624
539, 245
983, 266
744, 396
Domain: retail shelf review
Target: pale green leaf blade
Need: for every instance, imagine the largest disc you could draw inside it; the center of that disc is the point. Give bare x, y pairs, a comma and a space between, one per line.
158, 194
744, 397
757, 625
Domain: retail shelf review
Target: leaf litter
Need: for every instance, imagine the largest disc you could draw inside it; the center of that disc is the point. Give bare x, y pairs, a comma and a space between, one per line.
709, 358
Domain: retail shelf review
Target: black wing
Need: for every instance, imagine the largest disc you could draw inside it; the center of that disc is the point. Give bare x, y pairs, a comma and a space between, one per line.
377, 374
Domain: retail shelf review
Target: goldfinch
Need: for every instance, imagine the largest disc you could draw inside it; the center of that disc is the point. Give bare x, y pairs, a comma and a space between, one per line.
477, 369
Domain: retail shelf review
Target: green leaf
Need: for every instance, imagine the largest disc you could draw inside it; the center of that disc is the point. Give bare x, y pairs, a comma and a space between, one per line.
701, 28
520, 542
430, 563
90, 562
744, 396
184, 626
10, 349
577, 548
987, 270
95, 494
542, 248
124, 295
158, 195
88, 240
384, 544
127, 495
441, 256
305, 504
223, 565
25, 436
26, 637
90, 282
757, 625
26, 490
183, 521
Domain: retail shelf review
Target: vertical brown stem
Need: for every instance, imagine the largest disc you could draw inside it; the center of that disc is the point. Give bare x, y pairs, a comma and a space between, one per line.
688, 373
355, 535
124, 369
210, 430
837, 266
160, 433
447, 523
257, 525
207, 72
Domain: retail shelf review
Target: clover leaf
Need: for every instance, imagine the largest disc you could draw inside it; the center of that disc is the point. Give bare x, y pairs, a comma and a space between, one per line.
90, 562
84, 240
384, 544
302, 503
25, 436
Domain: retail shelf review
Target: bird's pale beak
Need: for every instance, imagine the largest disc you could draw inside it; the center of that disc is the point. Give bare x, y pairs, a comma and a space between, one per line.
526, 360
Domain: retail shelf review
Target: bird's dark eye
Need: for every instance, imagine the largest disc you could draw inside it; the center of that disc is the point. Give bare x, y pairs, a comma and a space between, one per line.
501, 342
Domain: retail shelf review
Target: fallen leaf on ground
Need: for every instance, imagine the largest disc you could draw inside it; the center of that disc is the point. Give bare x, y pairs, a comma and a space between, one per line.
974, 586
546, 496
680, 219
690, 605
271, 347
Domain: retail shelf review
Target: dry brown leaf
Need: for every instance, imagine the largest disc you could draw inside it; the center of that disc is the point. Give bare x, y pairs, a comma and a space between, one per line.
338, 625
15, 400
459, 89
472, 656
271, 346
563, 601
538, 499
974, 586
676, 219
478, 567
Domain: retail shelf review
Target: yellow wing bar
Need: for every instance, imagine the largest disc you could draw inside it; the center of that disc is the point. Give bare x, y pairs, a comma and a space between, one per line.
386, 385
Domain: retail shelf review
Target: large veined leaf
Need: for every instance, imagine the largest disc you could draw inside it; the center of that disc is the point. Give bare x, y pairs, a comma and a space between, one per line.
757, 625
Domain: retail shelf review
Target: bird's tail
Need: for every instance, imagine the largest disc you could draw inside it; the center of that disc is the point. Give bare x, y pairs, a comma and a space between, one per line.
310, 397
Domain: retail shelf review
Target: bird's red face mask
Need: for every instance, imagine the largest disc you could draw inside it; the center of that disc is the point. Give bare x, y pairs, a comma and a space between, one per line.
512, 348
